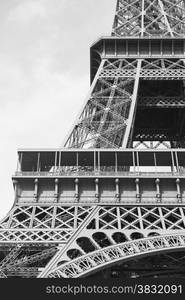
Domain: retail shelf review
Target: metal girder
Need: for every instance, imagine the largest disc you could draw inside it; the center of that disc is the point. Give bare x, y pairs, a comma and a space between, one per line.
162, 102
23, 272
27, 260
151, 145
103, 120
89, 238
146, 18
131, 119
56, 259
2, 274
101, 259
110, 225
11, 256
107, 118
37, 224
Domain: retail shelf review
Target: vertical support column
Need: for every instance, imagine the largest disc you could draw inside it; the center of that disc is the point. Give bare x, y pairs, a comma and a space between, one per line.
158, 194
177, 162
179, 196
155, 162
15, 183
116, 162
19, 163
76, 189
173, 163
56, 189
137, 162
38, 162
117, 190
77, 162
97, 196
36, 189
142, 18
59, 163
134, 162
130, 121
138, 194
99, 162
56, 155
94, 162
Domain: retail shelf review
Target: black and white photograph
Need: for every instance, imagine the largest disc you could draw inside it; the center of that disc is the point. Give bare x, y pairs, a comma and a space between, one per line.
92, 129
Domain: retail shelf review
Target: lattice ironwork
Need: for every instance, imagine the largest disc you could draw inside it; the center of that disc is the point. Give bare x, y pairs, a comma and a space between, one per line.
112, 225
42, 224
102, 258
148, 18
103, 121
136, 100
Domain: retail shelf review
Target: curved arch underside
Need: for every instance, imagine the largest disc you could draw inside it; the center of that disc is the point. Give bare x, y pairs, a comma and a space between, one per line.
101, 259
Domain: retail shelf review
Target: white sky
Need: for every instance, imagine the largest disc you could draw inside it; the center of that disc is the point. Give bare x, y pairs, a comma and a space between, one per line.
44, 73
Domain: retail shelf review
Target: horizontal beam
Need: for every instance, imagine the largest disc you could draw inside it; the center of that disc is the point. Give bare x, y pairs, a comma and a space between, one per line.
110, 190
108, 256
107, 48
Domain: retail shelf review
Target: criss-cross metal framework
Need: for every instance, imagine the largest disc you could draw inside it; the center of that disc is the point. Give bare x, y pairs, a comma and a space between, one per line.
90, 263
115, 193
148, 18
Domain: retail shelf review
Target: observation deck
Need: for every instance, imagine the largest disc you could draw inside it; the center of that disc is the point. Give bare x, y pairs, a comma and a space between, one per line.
129, 176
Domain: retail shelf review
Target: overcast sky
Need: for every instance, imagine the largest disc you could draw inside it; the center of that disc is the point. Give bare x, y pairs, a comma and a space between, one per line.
44, 73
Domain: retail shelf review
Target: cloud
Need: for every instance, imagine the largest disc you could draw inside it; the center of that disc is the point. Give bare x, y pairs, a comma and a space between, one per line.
36, 111
27, 10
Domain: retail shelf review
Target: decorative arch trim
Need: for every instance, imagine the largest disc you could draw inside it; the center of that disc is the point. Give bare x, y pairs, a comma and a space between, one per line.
100, 259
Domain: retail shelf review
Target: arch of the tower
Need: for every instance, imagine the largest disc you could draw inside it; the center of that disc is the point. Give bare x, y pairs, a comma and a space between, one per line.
86, 265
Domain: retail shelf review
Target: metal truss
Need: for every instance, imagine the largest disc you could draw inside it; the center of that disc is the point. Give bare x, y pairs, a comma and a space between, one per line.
22, 272
9, 258
22, 265
113, 225
107, 119
148, 18
163, 102
165, 69
101, 259
151, 145
104, 119
42, 224
161, 68
59, 240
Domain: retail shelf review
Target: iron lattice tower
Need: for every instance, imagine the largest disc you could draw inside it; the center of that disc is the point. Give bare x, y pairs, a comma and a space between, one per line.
116, 191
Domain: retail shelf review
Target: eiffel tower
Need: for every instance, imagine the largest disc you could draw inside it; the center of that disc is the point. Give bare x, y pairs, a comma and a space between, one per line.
111, 202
